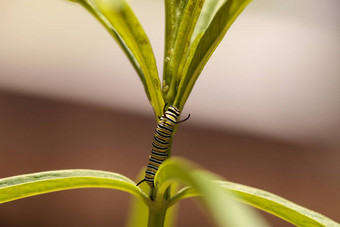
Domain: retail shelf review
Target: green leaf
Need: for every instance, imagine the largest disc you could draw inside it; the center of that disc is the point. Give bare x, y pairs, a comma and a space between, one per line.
22, 186
120, 21
171, 213
139, 211
173, 13
216, 18
181, 18
268, 202
222, 207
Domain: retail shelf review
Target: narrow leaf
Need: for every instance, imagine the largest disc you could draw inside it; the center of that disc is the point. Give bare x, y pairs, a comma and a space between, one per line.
120, 21
172, 212
222, 207
139, 211
22, 186
184, 25
270, 203
216, 18
173, 14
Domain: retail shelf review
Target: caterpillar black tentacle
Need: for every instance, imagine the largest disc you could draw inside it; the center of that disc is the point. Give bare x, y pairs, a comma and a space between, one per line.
178, 122
161, 142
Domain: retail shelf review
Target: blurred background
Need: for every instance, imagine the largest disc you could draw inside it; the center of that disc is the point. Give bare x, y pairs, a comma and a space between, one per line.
265, 111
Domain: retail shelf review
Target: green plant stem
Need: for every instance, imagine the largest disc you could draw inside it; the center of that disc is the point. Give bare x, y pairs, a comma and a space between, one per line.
157, 212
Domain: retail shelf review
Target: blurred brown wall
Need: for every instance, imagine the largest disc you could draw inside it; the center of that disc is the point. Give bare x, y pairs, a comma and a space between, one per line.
39, 134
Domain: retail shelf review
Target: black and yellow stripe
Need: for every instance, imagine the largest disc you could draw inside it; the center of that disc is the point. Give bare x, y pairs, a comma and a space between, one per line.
160, 144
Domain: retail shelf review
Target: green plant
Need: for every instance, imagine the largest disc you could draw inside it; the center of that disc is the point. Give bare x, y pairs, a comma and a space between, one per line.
194, 28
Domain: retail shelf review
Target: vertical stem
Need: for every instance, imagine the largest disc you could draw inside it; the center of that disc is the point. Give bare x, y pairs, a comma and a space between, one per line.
157, 212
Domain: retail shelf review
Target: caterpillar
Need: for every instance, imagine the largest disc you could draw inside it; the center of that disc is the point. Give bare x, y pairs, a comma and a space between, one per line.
161, 141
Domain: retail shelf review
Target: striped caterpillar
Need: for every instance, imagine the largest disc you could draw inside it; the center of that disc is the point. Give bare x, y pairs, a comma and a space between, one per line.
161, 141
